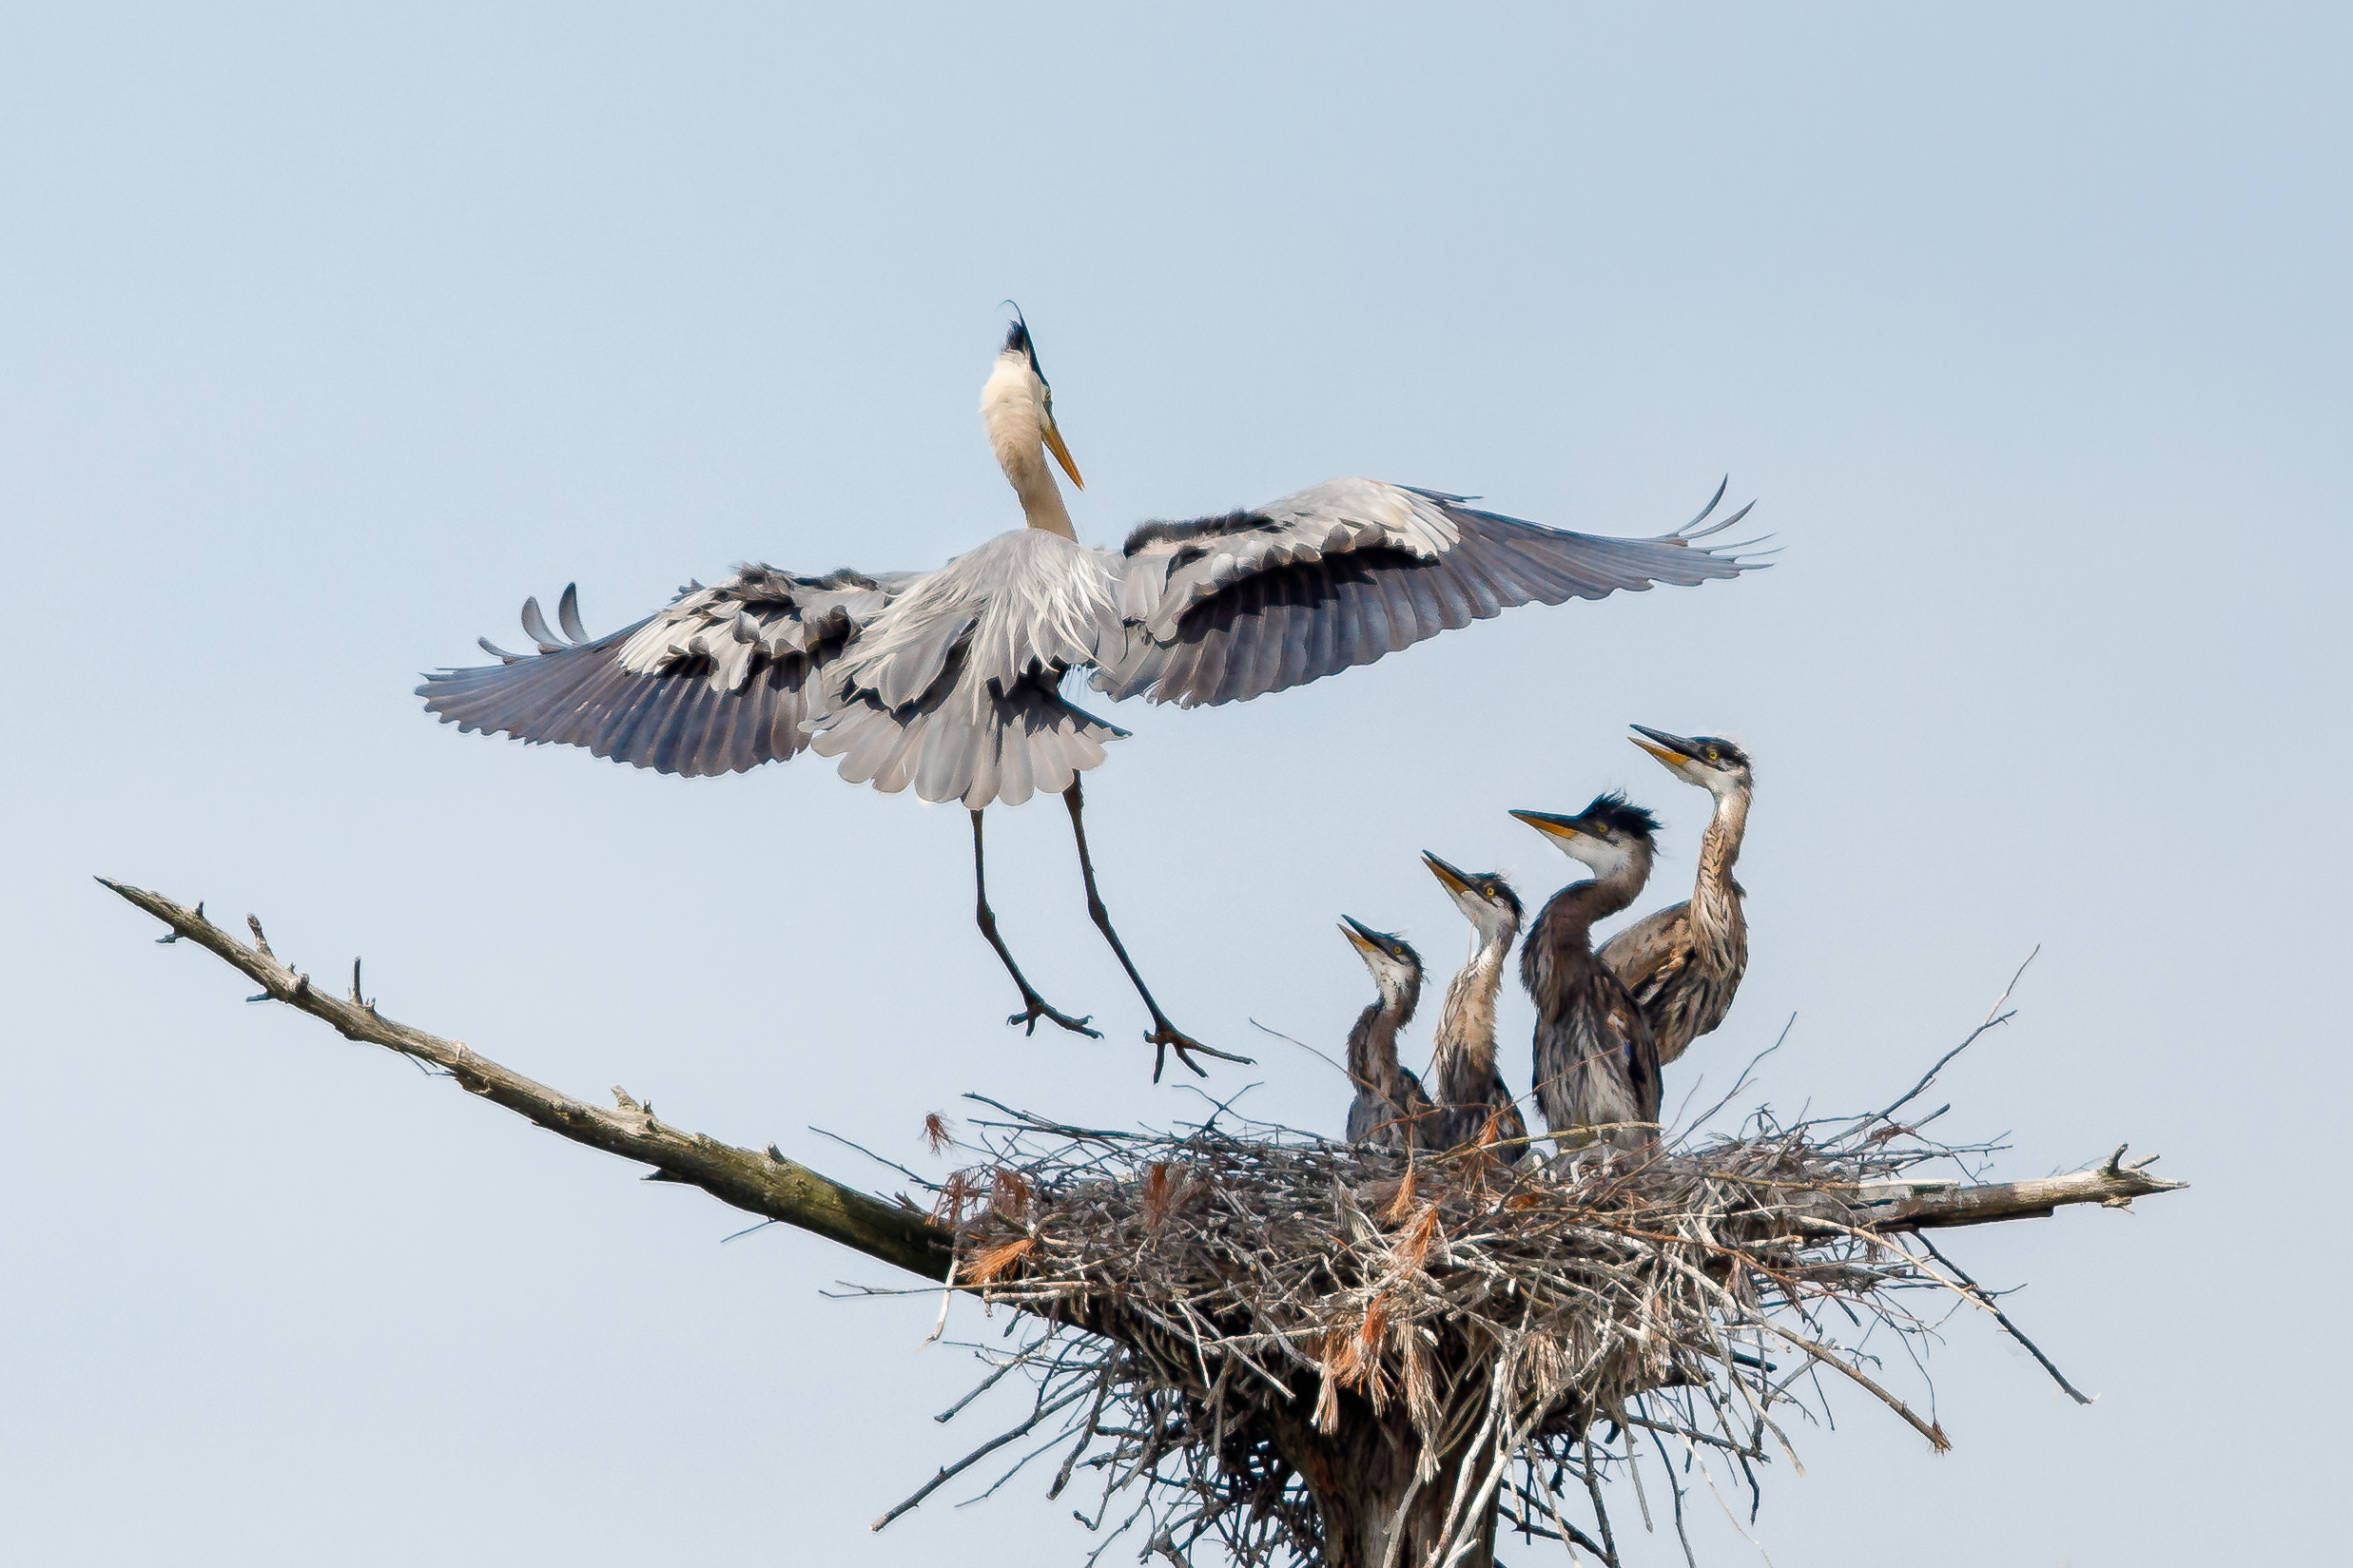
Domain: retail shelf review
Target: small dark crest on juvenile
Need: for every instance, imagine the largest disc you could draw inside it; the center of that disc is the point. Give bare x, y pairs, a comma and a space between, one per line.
1620, 815
1493, 882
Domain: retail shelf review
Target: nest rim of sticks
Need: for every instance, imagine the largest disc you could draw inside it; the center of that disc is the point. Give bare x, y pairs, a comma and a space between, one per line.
1199, 1305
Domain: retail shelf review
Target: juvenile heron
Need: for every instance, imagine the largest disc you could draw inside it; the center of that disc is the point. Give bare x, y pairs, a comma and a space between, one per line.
1464, 1079
950, 680
1597, 1065
1685, 964
1389, 1109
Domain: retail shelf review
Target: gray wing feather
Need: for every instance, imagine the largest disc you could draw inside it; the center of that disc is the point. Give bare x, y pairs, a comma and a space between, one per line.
1231, 608
721, 681
535, 627
568, 614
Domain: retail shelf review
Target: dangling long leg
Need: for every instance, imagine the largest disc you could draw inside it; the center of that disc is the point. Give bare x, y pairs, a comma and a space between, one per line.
1033, 1006
1164, 1034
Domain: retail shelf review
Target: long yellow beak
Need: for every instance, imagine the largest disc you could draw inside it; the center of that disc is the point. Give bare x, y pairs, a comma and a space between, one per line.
1061, 453
1551, 824
1671, 759
1448, 876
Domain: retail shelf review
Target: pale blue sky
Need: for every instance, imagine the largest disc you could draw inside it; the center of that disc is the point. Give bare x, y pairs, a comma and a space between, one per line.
327, 337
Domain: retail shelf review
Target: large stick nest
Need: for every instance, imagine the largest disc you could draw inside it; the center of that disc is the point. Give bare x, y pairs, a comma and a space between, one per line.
1201, 1308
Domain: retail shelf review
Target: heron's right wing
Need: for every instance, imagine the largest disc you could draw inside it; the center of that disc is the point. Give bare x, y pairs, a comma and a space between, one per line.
1222, 609
721, 680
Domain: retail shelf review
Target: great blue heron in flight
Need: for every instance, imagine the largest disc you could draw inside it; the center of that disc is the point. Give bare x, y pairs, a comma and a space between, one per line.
1597, 1065
1391, 1109
950, 680
1683, 964
1465, 1082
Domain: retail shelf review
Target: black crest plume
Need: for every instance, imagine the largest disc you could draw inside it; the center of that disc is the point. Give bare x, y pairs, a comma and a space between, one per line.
1620, 815
1017, 340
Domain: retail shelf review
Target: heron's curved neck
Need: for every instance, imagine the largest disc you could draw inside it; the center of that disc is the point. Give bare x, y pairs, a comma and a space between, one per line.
1570, 915
1016, 421
1721, 845
1466, 1022
1373, 1046
1715, 896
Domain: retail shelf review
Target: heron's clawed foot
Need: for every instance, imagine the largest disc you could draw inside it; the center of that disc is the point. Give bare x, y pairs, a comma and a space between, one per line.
1035, 1007
1166, 1037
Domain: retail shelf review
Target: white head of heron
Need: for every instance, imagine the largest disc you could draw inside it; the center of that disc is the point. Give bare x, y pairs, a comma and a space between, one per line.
1715, 765
1608, 835
1484, 897
1396, 968
1017, 405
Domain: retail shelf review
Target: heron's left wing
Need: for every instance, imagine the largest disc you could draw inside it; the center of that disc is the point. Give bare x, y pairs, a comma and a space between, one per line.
1221, 610
1651, 954
722, 679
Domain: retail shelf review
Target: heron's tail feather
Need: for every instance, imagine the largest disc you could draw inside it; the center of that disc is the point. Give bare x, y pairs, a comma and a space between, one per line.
1004, 747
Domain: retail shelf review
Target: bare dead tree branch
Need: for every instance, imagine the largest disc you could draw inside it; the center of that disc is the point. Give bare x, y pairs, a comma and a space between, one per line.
1994, 1018
764, 1183
1937, 1205
1302, 1352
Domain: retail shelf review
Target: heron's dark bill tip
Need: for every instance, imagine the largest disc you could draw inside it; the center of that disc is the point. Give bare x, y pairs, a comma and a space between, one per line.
1445, 873
1681, 745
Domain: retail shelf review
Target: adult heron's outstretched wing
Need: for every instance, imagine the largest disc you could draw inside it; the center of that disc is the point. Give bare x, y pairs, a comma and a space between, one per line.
1221, 610
721, 680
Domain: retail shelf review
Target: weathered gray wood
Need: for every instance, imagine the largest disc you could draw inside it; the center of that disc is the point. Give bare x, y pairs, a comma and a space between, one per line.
763, 1183
775, 1188
1375, 1513
766, 1184
1926, 1205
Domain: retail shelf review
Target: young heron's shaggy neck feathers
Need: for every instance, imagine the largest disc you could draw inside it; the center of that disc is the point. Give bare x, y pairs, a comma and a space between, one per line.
1390, 1105
1463, 1077
1596, 1059
1012, 407
1717, 920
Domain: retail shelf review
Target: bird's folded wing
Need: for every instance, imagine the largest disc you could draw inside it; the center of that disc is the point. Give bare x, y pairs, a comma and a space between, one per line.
1651, 951
1221, 610
721, 680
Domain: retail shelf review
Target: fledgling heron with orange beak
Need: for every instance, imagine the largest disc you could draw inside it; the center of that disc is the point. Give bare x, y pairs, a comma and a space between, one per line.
1683, 964
1597, 1064
1473, 1102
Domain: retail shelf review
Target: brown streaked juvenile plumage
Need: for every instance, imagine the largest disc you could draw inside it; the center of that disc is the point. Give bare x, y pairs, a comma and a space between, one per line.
1596, 1064
1389, 1109
1683, 964
1465, 1082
